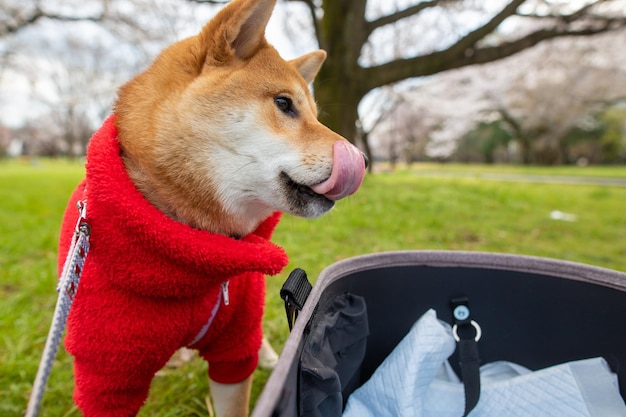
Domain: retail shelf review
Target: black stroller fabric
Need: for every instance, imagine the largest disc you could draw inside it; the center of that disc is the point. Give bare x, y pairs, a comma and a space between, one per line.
332, 356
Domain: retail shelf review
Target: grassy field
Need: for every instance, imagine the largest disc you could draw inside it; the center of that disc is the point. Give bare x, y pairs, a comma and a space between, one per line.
402, 210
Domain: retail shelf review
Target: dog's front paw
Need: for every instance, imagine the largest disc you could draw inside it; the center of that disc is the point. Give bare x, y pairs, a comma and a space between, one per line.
268, 358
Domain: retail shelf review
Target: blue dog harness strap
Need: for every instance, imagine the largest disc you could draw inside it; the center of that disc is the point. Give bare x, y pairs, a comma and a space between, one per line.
67, 287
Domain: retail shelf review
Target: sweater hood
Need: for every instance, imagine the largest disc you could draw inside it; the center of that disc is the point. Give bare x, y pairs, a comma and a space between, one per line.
142, 249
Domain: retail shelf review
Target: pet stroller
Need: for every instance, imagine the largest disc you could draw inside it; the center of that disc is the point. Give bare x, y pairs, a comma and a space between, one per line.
532, 311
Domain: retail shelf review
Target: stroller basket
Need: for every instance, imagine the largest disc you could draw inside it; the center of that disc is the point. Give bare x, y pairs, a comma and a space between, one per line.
533, 311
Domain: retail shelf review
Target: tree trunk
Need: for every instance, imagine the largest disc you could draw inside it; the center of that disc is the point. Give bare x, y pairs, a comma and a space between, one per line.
526, 151
338, 107
368, 151
338, 88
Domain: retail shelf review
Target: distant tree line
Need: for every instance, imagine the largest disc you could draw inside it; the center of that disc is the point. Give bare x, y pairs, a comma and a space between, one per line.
601, 140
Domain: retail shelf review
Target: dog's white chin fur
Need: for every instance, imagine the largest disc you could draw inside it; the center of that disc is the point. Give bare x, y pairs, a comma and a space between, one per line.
251, 178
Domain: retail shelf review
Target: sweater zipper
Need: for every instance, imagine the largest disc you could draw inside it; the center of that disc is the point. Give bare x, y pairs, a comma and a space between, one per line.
225, 296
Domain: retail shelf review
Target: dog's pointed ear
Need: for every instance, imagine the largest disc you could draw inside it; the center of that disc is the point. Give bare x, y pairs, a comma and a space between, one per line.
238, 30
309, 65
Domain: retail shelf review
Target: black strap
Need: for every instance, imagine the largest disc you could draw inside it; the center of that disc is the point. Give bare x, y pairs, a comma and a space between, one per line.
467, 333
295, 291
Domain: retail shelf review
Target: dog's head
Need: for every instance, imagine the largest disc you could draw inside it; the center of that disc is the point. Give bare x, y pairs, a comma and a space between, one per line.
221, 131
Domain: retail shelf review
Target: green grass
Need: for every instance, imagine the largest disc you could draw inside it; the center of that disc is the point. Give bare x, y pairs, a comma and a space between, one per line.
402, 210
607, 171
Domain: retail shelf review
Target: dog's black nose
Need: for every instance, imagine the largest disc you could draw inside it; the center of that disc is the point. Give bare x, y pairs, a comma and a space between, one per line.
366, 160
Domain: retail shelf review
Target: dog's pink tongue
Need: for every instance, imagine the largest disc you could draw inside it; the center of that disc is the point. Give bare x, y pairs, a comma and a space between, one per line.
347, 174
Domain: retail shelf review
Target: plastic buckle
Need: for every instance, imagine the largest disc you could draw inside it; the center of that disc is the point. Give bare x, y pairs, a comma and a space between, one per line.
295, 292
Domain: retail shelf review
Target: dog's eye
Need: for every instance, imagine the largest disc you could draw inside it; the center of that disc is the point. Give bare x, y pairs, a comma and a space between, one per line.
285, 105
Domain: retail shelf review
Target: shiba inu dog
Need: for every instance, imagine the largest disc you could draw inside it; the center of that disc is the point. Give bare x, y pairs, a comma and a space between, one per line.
185, 183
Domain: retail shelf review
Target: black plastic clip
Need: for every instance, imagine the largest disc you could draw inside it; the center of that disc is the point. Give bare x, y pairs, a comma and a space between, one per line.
467, 333
295, 291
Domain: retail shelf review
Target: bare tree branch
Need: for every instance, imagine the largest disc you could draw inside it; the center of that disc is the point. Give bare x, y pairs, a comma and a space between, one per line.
37, 14
392, 18
469, 40
440, 61
313, 11
563, 17
482, 55
309, 3
466, 52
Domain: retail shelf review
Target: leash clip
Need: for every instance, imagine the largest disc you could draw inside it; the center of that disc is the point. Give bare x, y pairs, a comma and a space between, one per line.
476, 326
82, 227
77, 253
462, 318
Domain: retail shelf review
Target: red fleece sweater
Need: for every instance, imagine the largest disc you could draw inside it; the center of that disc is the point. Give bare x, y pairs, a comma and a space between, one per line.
150, 285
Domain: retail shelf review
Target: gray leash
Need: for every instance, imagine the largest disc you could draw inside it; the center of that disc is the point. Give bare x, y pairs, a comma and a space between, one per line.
67, 287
